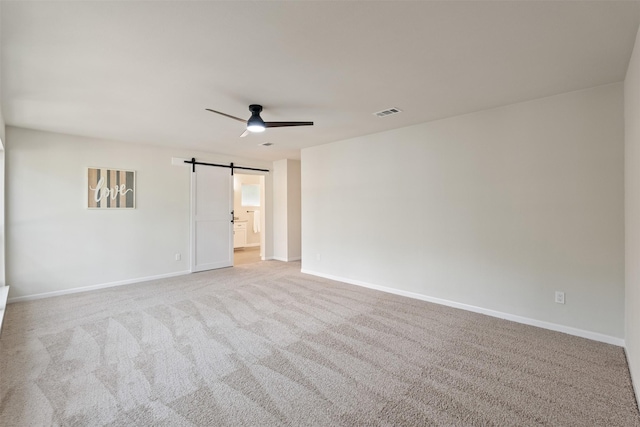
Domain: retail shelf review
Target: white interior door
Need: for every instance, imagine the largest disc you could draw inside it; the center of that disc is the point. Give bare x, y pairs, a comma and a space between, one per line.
211, 226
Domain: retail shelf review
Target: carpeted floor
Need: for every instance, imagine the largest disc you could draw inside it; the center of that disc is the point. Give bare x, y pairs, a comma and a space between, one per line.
264, 345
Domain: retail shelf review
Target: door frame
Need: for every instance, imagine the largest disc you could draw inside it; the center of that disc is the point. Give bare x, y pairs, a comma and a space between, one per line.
263, 208
242, 170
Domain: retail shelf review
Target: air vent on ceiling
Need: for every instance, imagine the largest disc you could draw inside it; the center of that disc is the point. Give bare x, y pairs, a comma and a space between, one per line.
267, 144
387, 112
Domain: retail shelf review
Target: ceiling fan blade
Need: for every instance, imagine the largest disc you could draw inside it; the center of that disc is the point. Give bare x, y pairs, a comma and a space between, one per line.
227, 115
245, 133
286, 124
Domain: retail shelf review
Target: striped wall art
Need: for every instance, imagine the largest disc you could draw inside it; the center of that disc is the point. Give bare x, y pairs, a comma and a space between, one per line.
111, 189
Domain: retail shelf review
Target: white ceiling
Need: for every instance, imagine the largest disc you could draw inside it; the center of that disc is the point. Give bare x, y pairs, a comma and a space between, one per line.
145, 71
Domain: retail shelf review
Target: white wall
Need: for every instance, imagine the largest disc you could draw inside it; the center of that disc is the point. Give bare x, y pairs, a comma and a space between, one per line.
2, 138
3, 280
632, 214
496, 209
286, 211
2, 130
294, 210
280, 210
54, 243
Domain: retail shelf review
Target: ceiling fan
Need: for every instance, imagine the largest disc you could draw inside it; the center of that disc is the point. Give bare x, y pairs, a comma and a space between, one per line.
255, 122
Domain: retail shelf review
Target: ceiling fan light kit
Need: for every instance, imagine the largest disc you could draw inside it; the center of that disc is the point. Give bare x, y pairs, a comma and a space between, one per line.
255, 127
255, 122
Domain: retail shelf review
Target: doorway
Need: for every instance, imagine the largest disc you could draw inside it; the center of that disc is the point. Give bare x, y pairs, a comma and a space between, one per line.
220, 224
248, 208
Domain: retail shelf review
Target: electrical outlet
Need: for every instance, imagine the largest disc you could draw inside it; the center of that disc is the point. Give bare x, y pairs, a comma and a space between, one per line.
318, 257
178, 257
559, 297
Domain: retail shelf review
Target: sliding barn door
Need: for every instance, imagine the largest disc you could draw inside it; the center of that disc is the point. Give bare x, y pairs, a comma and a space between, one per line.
211, 226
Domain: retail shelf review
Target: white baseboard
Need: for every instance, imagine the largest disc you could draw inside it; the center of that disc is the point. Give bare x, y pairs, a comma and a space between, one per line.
251, 245
95, 287
287, 259
4, 294
635, 384
507, 316
637, 391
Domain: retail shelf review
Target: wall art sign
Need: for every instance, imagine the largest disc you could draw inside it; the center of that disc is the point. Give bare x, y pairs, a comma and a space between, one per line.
111, 189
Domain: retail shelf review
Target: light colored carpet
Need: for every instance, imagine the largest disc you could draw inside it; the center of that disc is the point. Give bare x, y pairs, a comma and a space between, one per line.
264, 345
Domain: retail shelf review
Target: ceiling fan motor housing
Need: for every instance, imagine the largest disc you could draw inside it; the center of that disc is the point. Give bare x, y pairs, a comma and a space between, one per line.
255, 122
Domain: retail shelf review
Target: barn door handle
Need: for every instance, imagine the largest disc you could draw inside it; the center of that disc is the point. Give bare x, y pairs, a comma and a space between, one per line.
232, 217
